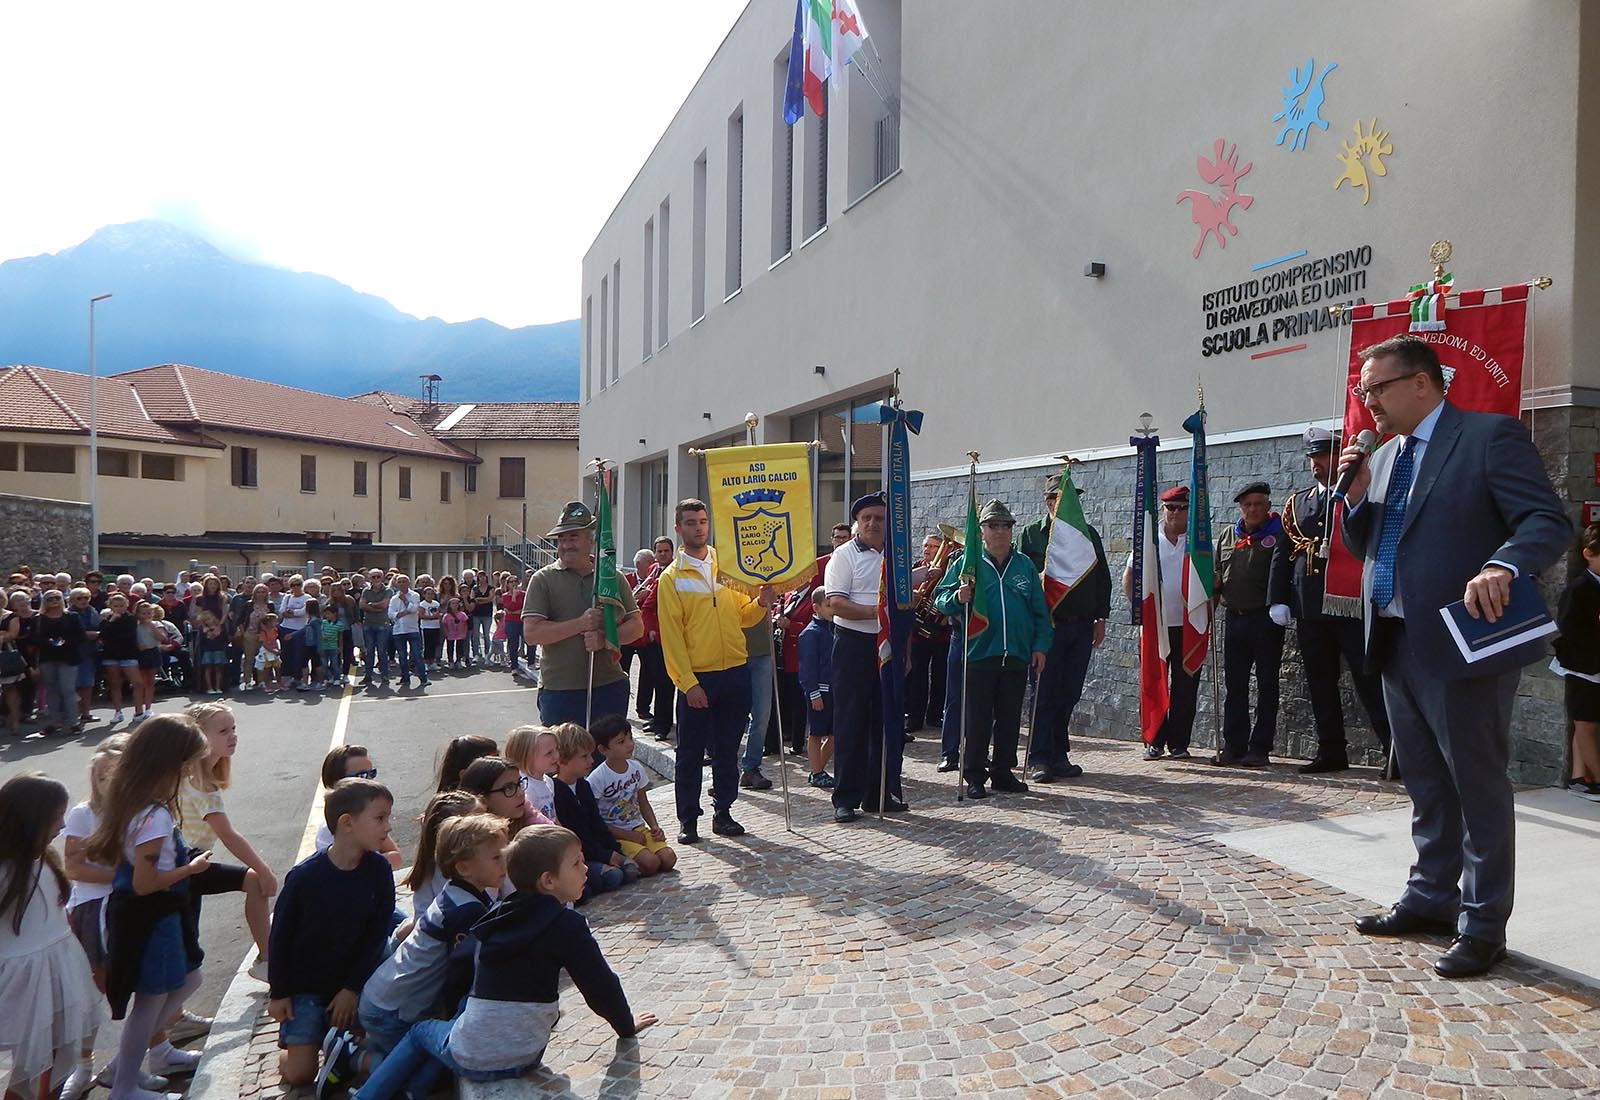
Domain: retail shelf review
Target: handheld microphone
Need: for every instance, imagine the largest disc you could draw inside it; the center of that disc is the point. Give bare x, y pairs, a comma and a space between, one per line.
1367, 439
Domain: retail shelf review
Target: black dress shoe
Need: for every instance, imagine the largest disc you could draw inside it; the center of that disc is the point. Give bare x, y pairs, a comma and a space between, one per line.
906, 736
912, 726
1066, 769
1399, 921
723, 824
1224, 759
1007, 783
1468, 957
975, 790
688, 833
948, 763
896, 806
1322, 764
843, 815
1041, 773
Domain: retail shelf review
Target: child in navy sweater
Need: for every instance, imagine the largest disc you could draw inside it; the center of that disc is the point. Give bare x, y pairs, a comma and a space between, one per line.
578, 811
816, 670
330, 928
522, 947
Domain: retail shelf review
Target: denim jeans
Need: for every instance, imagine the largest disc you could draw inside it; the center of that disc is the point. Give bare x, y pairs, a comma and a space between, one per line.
408, 650
513, 640
60, 690
414, 1064
760, 710
480, 631
376, 651
950, 732
556, 707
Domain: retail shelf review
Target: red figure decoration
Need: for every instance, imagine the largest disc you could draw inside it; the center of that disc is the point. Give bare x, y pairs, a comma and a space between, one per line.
1211, 215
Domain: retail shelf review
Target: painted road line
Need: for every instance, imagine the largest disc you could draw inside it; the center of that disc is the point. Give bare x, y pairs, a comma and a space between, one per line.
1279, 351
1279, 260
443, 695
220, 1075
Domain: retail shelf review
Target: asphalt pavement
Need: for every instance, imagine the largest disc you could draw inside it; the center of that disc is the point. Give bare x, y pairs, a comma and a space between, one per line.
282, 740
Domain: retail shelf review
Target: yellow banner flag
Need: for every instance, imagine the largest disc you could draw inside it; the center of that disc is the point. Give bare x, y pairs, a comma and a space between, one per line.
761, 518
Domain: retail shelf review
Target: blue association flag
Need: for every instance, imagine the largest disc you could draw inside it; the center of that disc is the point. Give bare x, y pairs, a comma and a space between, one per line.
794, 103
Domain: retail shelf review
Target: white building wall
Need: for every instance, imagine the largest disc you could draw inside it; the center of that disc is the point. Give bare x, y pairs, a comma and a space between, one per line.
1040, 135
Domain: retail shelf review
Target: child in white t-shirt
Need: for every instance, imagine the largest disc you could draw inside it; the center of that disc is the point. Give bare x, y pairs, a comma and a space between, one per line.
619, 784
533, 749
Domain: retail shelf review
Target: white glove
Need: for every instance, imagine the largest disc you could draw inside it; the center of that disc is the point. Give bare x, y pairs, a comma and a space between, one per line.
1279, 613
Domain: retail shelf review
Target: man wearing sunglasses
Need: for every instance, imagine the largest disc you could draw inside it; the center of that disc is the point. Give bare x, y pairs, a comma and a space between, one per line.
1183, 690
1451, 508
1015, 640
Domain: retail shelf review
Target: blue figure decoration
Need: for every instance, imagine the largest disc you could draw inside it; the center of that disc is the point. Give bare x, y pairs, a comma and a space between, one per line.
1302, 104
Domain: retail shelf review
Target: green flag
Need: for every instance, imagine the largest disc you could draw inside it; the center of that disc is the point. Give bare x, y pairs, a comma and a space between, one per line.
971, 561
607, 585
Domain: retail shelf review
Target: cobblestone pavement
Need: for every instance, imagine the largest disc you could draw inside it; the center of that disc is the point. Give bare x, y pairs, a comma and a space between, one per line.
1086, 939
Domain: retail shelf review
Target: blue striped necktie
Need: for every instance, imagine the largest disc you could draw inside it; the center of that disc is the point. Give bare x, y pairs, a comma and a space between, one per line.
1394, 518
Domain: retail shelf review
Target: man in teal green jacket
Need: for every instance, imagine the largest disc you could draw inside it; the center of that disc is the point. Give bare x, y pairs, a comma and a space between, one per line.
1018, 635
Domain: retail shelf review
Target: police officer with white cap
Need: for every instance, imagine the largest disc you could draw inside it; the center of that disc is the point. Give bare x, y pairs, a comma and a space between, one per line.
1298, 583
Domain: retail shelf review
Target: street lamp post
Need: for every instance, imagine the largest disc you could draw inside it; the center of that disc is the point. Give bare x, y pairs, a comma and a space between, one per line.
94, 446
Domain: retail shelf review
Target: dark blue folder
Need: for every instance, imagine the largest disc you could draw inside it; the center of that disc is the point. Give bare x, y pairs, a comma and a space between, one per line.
1523, 620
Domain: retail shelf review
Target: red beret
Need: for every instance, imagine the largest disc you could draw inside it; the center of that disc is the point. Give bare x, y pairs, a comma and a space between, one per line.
1177, 492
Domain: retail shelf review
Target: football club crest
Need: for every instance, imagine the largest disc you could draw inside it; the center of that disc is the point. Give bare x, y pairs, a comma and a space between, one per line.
764, 535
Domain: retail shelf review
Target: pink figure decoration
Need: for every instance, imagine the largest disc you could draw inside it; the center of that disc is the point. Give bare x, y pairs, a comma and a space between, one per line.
1208, 213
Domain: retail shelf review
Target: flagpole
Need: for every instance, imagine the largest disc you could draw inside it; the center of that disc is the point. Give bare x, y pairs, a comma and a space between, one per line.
886, 596
750, 422
599, 465
966, 646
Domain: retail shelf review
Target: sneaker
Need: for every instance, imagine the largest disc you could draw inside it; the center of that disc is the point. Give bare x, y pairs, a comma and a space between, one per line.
821, 780
1181, 754
1040, 773
175, 1062
307, 686
258, 969
189, 1026
338, 1070
116, 716
753, 780
1582, 789
1153, 752
150, 1082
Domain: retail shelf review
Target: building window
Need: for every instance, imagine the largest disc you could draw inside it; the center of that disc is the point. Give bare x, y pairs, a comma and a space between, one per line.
616, 318
664, 219
49, 458
697, 279
816, 181
405, 482
161, 467
469, 478
8, 456
782, 166
872, 118
733, 273
605, 324
308, 473
359, 481
647, 296
444, 486
243, 463
654, 516
115, 463
513, 478
588, 351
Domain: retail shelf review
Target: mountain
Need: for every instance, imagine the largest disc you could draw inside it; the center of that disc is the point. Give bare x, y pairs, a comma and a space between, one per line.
181, 300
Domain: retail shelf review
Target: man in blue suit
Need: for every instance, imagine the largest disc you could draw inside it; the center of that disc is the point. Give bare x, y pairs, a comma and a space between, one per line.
1451, 508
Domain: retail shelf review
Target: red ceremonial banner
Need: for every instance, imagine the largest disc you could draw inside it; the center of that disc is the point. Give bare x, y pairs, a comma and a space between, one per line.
1481, 349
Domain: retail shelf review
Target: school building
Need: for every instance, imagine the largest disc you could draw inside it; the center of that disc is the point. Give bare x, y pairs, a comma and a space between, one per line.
199, 465
1044, 219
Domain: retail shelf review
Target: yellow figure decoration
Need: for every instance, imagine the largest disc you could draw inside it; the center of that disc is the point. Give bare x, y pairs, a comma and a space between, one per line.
1372, 145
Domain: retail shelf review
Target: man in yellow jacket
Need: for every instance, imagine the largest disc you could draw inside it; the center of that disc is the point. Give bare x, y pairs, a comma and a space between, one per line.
702, 626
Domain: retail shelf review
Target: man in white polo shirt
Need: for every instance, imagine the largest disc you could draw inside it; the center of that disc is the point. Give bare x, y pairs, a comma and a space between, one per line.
851, 583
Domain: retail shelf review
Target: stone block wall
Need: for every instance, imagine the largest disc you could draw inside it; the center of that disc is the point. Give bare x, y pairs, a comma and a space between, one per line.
1110, 705
47, 534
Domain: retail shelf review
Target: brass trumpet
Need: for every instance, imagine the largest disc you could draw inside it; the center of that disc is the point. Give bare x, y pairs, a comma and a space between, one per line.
929, 620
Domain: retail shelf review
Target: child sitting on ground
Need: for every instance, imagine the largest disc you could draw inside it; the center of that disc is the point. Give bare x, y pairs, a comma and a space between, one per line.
576, 810
503, 790
619, 786
471, 855
533, 749
426, 878
330, 929
523, 945
351, 762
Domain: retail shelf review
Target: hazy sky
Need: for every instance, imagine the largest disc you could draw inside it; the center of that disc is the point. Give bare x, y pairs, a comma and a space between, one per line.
454, 158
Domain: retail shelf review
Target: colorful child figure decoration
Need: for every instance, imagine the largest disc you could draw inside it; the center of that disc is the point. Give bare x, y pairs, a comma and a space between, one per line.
1364, 157
1302, 104
1212, 213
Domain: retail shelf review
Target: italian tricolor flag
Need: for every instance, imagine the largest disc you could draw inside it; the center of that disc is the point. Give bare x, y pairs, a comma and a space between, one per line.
1069, 555
818, 37
827, 33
